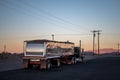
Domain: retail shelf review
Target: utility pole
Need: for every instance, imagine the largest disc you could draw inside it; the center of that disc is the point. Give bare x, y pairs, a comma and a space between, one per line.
53, 37
80, 45
4, 49
118, 48
94, 35
98, 32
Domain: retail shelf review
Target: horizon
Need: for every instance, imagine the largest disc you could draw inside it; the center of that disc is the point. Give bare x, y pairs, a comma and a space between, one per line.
71, 20
102, 51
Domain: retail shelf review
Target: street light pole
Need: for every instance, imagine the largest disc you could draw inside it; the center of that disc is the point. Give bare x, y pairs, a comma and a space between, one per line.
4, 49
53, 37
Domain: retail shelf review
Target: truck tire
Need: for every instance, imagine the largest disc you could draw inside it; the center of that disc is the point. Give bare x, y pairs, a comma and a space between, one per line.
25, 64
48, 64
73, 60
58, 63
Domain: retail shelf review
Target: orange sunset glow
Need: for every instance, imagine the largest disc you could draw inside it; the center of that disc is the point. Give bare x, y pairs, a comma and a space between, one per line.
67, 20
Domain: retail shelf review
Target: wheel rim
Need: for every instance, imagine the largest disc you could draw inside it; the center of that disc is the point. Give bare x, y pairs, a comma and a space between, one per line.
58, 63
75, 61
48, 65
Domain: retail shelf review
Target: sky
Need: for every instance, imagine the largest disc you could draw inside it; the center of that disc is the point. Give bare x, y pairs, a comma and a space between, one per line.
71, 20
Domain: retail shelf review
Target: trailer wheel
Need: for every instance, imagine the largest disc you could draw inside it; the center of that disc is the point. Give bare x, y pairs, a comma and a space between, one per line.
73, 60
48, 64
58, 63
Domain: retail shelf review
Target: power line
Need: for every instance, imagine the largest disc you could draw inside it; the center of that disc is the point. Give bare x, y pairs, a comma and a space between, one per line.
45, 35
33, 15
71, 34
49, 14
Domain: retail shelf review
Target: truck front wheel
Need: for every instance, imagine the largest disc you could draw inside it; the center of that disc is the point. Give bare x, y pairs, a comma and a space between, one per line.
25, 63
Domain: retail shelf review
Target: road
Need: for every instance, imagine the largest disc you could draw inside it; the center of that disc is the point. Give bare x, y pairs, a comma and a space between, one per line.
106, 68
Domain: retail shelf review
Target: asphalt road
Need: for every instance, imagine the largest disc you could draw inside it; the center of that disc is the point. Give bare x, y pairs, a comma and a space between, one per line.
107, 68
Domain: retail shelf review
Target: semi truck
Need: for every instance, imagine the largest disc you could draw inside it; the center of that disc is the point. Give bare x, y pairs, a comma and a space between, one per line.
47, 53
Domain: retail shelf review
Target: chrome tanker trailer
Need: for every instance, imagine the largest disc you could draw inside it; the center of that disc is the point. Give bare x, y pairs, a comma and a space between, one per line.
48, 53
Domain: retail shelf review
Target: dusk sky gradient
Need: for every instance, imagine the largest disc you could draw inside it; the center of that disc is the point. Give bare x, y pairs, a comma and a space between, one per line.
71, 20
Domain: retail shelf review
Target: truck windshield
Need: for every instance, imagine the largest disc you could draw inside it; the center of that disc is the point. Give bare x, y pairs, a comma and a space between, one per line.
34, 49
